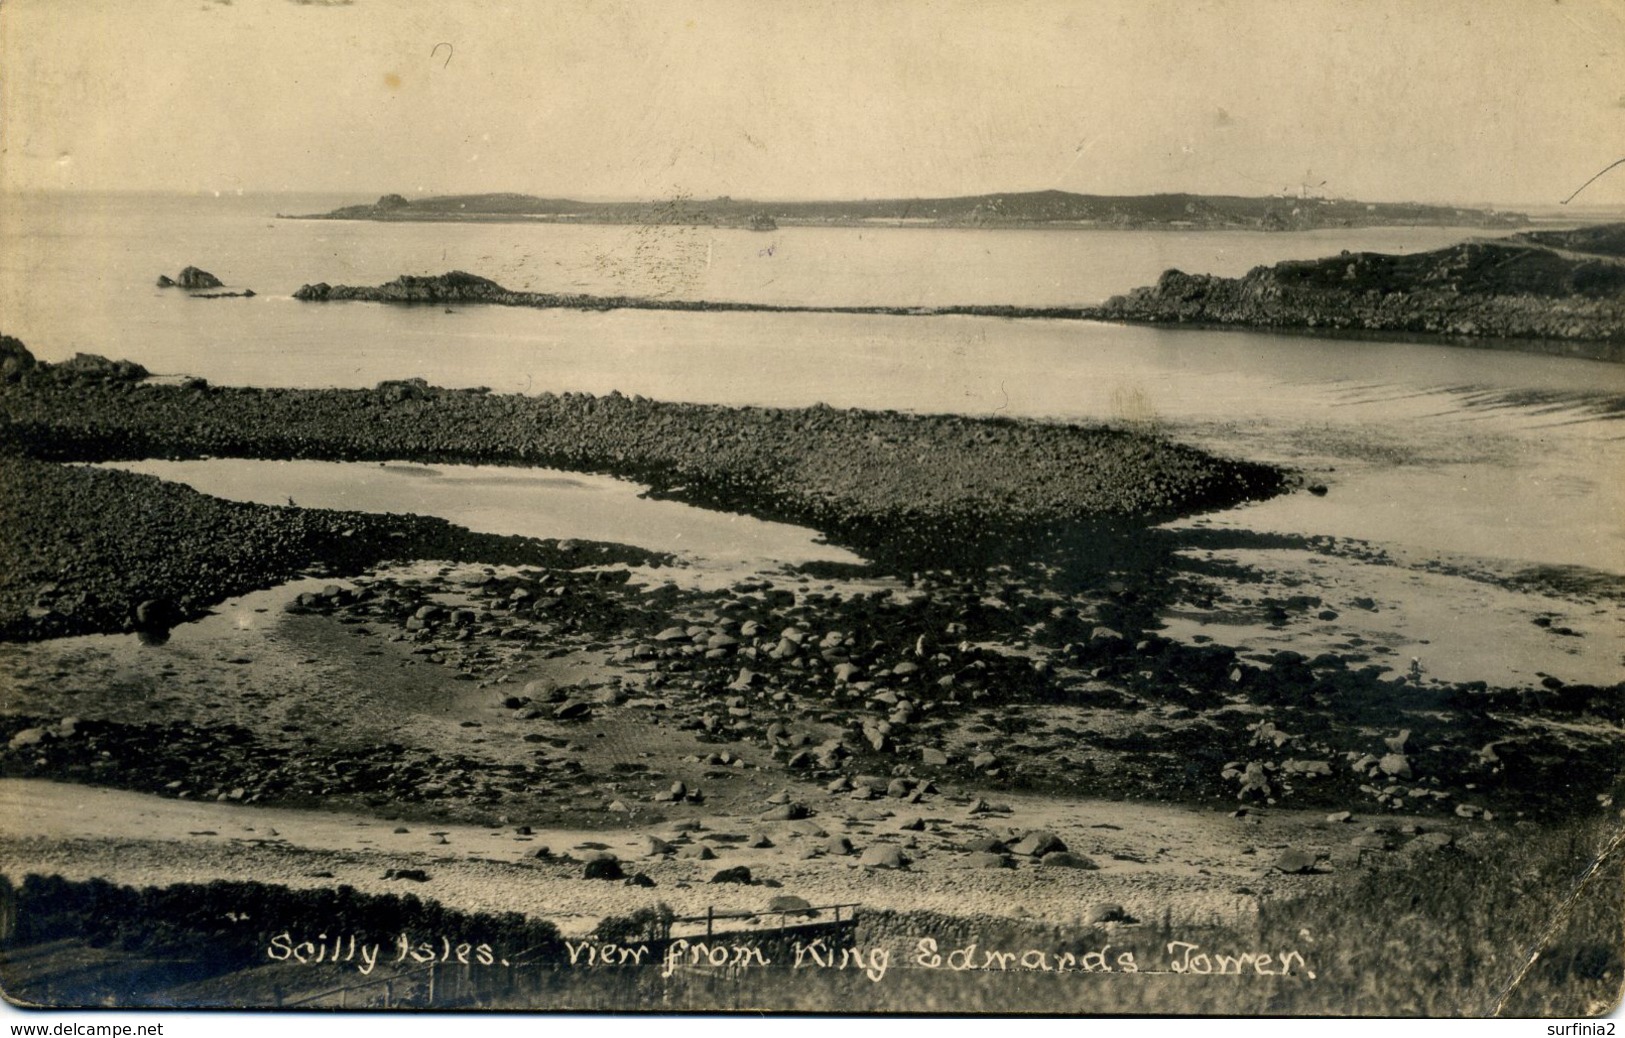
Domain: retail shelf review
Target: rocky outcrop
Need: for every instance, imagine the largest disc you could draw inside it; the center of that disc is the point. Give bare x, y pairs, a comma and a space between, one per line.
459, 286
1566, 286
453, 287
190, 278
15, 360
95, 366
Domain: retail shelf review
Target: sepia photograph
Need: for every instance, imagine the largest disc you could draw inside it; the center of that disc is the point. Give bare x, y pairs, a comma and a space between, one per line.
1071, 508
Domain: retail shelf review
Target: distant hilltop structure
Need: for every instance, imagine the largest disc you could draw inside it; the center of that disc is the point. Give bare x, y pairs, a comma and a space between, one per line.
1060, 209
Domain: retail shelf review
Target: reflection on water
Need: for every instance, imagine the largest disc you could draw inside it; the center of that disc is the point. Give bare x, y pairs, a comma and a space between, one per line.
539, 503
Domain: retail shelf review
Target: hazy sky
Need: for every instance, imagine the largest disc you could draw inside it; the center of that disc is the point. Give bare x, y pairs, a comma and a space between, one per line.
1510, 101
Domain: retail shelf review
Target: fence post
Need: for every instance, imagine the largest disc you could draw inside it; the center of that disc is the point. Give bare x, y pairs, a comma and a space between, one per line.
389, 993
431, 983
709, 913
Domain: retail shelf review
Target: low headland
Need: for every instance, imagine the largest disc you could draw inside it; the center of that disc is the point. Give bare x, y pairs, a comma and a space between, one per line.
1565, 287
1020, 209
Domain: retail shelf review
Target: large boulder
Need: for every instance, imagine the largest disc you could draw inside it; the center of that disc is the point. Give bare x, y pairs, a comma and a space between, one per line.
884, 856
1038, 843
1396, 765
572, 710
1068, 860
989, 860
603, 868
789, 903
1107, 912
1295, 861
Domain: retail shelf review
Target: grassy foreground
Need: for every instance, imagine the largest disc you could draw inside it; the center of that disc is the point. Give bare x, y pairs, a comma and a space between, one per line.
1473, 936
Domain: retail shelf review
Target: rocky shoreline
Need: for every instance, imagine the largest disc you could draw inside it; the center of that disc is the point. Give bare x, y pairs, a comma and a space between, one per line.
89, 550
1544, 292
1564, 287
457, 287
889, 484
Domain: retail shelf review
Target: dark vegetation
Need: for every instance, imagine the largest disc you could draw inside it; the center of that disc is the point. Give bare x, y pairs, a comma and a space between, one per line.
199, 931
1451, 935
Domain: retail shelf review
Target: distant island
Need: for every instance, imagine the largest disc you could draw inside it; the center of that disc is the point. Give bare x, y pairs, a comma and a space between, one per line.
1057, 209
1539, 291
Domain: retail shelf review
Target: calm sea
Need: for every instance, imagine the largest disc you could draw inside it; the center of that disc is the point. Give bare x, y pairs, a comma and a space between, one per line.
1503, 455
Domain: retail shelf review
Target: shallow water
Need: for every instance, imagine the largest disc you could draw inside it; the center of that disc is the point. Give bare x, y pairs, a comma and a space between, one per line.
527, 502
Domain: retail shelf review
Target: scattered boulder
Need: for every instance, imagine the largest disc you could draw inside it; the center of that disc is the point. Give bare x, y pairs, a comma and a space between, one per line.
1430, 842
1395, 764
572, 710
1255, 782
737, 874
1108, 913
27, 737
1068, 860
415, 875
884, 856
1038, 843
789, 903
654, 846
603, 868
156, 615
989, 860
1294, 861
